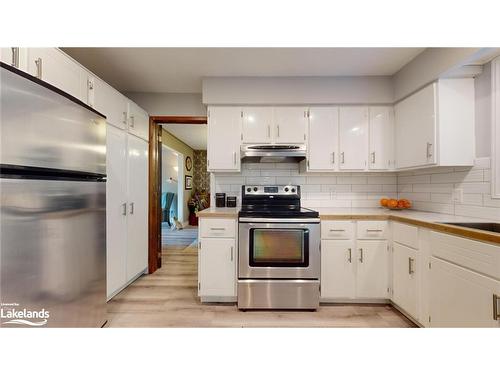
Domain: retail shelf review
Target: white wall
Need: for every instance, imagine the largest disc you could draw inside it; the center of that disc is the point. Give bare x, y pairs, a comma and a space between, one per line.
297, 90
169, 104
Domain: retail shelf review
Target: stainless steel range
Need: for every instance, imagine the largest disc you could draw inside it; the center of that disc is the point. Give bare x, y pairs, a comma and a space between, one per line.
279, 256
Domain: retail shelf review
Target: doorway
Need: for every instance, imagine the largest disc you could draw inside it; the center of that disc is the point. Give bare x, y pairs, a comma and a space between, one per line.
171, 189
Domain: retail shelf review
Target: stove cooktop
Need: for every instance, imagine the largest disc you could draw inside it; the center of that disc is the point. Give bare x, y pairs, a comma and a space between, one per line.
273, 212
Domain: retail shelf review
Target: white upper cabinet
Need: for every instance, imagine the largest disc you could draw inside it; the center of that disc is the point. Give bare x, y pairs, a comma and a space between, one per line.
257, 125
353, 125
323, 139
109, 102
224, 132
435, 126
495, 130
53, 66
138, 121
14, 56
381, 138
290, 124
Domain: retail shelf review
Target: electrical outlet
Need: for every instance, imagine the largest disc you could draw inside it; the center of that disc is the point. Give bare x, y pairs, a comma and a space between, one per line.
458, 195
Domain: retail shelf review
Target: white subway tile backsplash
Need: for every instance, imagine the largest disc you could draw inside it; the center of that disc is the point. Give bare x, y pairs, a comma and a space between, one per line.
430, 189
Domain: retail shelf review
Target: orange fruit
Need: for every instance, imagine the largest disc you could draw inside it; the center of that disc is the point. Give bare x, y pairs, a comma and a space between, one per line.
401, 203
392, 203
383, 202
407, 203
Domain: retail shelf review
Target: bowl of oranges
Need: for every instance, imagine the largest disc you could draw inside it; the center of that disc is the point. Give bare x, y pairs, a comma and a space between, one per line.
395, 204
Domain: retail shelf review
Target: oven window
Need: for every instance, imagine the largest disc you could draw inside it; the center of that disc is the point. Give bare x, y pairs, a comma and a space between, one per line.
279, 247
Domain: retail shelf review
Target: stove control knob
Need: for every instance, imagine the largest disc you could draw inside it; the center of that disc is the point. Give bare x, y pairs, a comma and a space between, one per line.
249, 190
293, 190
286, 190
255, 188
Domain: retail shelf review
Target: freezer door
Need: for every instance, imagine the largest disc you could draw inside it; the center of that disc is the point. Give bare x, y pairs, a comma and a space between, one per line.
53, 252
40, 127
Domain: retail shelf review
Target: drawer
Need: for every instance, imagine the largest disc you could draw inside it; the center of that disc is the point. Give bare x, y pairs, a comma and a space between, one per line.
333, 229
218, 228
475, 255
405, 234
372, 230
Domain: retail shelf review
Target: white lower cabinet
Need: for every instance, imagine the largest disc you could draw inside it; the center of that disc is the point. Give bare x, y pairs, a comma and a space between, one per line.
217, 262
372, 280
462, 298
338, 269
126, 208
405, 279
353, 268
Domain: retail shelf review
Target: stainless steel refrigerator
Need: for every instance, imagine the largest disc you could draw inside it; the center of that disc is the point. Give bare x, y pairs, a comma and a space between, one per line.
52, 206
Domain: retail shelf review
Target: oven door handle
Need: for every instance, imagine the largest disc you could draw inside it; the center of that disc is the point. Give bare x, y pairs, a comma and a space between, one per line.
253, 220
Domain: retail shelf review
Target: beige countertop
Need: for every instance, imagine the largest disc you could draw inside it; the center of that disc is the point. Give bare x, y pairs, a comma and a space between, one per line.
429, 220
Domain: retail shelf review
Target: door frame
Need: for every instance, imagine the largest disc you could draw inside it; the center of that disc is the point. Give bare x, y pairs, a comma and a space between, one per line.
154, 212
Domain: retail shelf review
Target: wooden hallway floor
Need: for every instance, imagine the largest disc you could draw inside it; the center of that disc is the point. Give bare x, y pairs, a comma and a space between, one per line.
168, 298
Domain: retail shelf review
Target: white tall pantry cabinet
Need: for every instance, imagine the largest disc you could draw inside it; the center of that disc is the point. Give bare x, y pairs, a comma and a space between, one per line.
126, 207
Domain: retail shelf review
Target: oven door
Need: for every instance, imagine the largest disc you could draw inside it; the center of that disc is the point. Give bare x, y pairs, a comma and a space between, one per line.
284, 249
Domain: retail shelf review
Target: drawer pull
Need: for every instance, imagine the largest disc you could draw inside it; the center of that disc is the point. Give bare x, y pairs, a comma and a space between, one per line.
217, 228
374, 230
496, 315
410, 266
337, 230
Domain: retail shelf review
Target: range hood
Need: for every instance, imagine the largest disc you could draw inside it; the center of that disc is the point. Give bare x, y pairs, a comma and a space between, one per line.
266, 153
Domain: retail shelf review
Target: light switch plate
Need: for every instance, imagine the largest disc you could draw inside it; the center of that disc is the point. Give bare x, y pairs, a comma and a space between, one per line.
458, 195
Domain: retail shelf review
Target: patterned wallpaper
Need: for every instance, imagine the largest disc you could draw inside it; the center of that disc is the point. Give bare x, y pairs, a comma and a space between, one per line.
201, 178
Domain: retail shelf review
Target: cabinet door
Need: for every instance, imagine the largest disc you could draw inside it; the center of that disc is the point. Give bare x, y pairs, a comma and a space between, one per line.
373, 272
415, 121
116, 208
405, 278
381, 138
290, 124
338, 272
224, 131
14, 56
217, 267
110, 103
257, 125
462, 298
53, 66
323, 139
137, 222
138, 122
353, 125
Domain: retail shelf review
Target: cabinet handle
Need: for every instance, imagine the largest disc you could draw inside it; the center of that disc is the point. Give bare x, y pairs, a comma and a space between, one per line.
361, 255
373, 157
124, 207
496, 315
374, 230
429, 153
268, 131
15, 57
132, 208
132, 121
277, 131
217, 228
234, 157
38, 63
350, 255
124, 118
333, 157
410, 266
231, 253
337, 230
342, 157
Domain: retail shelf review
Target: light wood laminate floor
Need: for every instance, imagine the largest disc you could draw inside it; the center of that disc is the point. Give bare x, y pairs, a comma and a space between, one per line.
168, 298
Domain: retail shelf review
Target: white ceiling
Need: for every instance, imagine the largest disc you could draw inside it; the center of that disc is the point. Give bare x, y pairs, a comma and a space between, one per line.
194, 135
180, 70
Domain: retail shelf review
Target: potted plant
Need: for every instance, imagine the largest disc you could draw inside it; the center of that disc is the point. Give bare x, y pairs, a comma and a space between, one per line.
199, 201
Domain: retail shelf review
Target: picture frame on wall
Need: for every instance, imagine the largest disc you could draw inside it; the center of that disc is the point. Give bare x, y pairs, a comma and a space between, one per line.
188, 182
